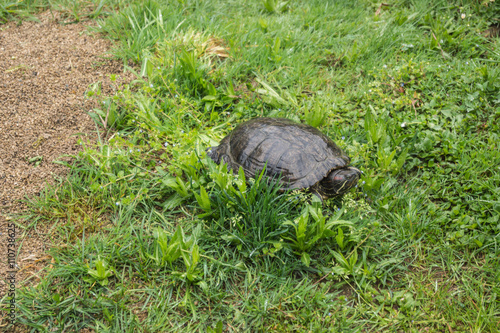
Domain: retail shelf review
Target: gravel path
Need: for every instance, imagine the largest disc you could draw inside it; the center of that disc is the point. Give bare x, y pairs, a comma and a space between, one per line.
45, 69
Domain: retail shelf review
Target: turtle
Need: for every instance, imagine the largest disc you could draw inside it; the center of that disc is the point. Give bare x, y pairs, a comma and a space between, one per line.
300, 155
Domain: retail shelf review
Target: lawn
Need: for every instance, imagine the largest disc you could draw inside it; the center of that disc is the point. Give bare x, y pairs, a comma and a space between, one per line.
151, 236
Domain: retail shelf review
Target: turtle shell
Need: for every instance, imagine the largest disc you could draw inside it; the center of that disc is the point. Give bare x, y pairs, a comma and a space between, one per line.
299, 153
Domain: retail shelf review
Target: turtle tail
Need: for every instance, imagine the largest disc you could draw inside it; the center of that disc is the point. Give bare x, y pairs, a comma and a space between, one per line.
213, 153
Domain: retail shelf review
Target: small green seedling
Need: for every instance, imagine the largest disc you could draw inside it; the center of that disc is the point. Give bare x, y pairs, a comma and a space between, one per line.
165, 250
101, 273
217, 329
275, 6
308, 233
36, 160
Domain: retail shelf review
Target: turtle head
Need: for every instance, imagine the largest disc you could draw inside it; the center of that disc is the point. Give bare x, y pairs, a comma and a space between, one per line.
339, 181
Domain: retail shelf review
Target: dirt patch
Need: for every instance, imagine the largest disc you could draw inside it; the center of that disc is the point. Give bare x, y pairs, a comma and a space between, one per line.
45, 69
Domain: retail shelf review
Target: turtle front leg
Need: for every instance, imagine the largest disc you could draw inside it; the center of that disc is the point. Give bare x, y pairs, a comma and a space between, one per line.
316, 190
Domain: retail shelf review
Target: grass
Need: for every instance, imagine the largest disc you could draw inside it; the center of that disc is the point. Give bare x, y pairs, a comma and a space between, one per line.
150, 235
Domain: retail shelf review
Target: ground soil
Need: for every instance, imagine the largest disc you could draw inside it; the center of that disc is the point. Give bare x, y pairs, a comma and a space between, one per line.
45, 70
